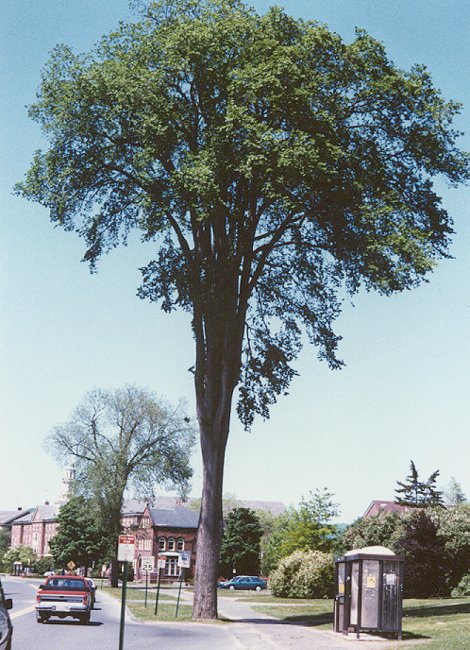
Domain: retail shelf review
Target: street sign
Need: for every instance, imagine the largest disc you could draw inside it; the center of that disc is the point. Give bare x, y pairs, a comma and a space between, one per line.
161, 561
71, 565
126, 547
148, 564
184, 560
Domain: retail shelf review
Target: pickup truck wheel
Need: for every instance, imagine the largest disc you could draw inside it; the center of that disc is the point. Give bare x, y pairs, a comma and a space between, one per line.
85, 618
40, 618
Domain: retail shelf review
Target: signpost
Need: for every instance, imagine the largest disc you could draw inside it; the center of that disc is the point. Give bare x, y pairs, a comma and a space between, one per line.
148, 564
161, 562
184, 562
126, 548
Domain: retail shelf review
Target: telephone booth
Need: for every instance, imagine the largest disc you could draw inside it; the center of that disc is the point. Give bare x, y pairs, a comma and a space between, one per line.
369, 591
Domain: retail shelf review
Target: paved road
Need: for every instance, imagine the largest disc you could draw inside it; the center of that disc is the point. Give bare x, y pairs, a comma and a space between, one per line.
247, 631
103, 631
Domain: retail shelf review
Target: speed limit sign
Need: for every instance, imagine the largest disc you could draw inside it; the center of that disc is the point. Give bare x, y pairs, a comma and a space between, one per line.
148, 564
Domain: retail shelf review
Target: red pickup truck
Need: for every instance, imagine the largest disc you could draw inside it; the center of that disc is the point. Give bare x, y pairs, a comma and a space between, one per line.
64, 596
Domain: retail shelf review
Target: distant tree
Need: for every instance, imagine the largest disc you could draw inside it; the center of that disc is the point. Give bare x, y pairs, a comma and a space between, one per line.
272, 541
240, 548
22, 553
453, 527
5, 540
79, 538
273, 165
124, 439
454, 494
435, 543
418, 494
383, 529
308, 527
425, 558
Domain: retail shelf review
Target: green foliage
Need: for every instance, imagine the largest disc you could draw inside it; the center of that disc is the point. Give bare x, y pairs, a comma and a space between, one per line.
5, 540
240, 549
454, 494
43, 564
416, 493
453, 525
382, 529
424, 552
21, 553
463, 588
435, 543
308, 527
270, 161
78, 538
273, 165
304, 574
123, 439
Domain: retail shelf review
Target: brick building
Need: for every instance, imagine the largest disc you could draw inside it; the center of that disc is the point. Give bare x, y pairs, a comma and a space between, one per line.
164, 532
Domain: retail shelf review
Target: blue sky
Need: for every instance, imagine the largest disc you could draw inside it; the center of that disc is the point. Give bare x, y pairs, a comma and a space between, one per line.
405, 390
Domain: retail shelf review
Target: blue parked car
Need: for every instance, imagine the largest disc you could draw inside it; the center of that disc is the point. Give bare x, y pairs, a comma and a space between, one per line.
244, 582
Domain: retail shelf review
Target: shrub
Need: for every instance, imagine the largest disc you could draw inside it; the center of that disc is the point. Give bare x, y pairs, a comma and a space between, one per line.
304, 574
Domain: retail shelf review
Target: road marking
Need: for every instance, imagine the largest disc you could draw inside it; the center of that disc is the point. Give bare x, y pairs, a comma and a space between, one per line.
22, 611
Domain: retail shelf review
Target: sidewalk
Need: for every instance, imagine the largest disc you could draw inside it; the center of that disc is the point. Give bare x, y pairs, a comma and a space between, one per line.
255, 631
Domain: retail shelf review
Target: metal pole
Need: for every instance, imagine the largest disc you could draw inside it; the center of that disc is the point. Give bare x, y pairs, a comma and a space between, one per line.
179, 592
146, 585
158, 592
123, 608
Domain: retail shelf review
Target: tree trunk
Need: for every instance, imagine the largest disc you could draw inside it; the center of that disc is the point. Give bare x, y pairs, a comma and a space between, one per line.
211, 522
114, 578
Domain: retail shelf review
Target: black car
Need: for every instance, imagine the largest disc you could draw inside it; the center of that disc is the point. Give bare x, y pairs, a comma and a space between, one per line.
244, 582
6, 629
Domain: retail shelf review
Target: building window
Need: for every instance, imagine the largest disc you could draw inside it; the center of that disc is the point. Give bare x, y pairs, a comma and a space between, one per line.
161, 543
171, 543
171, 568
180, 544
147, 544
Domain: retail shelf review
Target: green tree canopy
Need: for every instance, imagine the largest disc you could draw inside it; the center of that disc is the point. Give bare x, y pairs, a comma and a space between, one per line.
240, 548
79, 539
435, 543
416, 493
5, 540
272, 164
21, 553
306, 528
454, 494
124, 439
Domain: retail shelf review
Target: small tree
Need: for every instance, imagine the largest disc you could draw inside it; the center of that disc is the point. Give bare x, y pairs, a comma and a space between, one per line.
308, 527
124, 439
454, 494
78, 539
22, 553
240, 549
416, 493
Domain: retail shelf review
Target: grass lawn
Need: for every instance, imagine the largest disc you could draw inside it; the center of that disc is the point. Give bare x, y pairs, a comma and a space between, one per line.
443, 622
138, 593
135, 601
